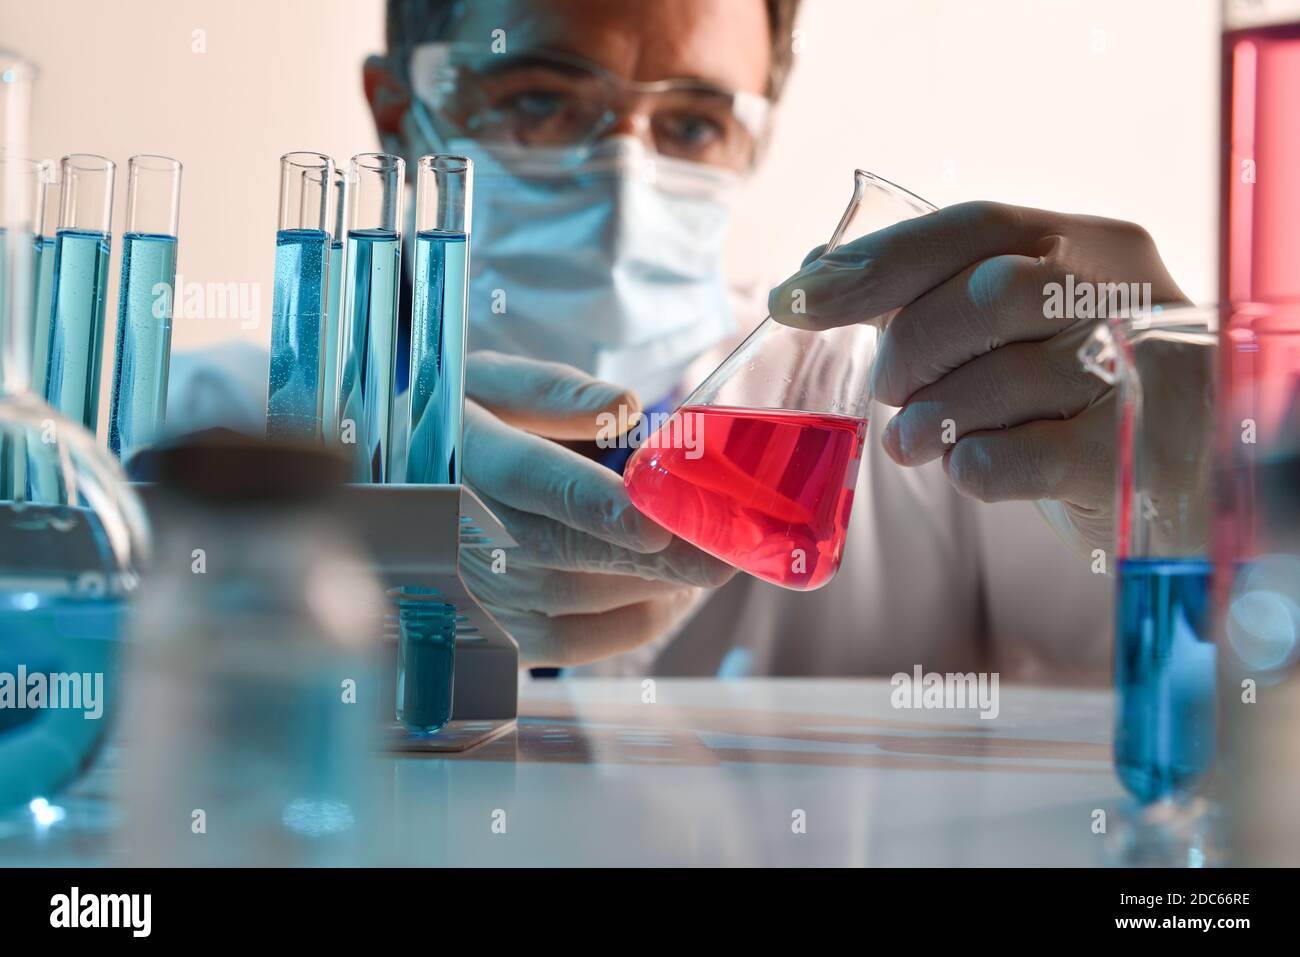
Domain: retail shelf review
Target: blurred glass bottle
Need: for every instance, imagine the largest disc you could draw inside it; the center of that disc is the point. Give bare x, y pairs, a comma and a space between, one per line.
251, 723
1257, 539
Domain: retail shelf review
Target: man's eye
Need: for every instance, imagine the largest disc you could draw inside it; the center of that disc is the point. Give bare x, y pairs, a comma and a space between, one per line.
696, 132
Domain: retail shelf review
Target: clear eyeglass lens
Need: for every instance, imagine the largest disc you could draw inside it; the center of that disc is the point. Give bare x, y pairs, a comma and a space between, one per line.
538, 104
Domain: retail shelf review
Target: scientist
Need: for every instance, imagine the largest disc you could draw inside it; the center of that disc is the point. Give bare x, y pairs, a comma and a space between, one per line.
608, 139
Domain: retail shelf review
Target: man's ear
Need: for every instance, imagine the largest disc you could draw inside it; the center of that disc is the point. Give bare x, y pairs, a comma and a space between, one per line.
389, 98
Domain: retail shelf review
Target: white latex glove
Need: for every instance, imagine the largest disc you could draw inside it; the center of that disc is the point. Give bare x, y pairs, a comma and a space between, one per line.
222, 386
973, 344
592, 576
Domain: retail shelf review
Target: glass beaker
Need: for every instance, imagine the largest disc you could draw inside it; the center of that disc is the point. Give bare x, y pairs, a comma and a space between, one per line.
72, 534
1163, 365
758, 465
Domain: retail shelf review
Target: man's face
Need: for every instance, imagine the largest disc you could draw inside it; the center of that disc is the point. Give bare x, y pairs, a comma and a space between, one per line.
723, 43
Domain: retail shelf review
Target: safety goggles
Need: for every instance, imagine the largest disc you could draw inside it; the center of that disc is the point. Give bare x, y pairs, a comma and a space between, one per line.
544, 99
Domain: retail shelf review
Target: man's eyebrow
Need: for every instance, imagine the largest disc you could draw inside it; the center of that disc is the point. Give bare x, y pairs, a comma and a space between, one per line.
577, 66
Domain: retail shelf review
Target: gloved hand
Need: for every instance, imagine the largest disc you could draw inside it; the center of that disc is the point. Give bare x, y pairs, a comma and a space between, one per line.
592, 576
977, 345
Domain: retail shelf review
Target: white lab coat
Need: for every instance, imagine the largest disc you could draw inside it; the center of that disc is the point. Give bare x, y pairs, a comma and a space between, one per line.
928, 577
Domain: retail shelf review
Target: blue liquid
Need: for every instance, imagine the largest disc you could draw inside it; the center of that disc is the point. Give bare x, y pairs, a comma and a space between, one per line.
1164, 677
437, 357
144, 343
77, 326
13, 447
293, 404
369, 363
41, 315
53, 619
333, 322
427, 650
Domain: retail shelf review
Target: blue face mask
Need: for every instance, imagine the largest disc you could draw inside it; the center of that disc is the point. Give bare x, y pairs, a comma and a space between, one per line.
614, 264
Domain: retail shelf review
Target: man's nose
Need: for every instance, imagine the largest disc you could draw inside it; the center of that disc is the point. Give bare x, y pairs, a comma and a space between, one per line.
631, 121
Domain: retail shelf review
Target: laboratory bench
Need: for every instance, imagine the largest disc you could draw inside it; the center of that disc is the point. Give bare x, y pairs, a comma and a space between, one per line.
706, 772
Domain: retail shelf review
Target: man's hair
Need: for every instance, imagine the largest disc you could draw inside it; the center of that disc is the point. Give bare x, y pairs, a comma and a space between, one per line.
410, 22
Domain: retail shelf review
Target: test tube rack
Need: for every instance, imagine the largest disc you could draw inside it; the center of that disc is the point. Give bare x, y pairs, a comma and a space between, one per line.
413, 534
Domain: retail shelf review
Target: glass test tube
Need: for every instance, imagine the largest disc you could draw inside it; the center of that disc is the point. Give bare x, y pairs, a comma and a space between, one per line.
17, 222
45, 240
19, 247
144, 305
426, 647
333, 312
373, 275
293, 402
443, 199
19, 190
80, 280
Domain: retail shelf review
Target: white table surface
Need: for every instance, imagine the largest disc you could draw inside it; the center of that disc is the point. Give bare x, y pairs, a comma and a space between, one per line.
711, 774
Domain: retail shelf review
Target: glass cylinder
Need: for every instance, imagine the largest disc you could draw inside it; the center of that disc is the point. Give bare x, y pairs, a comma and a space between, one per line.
1165, 376
1257, 545
439, 314
145, 299
368, 365
75, 361
295, 396
45, 245
329, 387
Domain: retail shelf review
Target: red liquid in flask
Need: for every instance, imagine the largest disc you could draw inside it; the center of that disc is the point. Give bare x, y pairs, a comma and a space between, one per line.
766, 490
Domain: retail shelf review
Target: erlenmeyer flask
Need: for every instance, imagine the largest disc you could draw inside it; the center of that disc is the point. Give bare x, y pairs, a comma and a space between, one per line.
758, 465
72, 533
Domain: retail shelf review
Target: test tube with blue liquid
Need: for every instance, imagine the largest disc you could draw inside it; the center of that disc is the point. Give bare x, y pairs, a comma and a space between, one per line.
371, 287
333, 312
443, 201
294, 389
75, 360
21, 190
1164, 650
425, 627
45, 243
144, 305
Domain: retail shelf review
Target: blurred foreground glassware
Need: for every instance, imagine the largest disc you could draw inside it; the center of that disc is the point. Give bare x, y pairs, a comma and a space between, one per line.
251, 723
1257, 534
1163, 365
758, 465
72, 534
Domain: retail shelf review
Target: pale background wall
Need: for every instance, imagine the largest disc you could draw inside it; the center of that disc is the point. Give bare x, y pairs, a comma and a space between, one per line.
1101, 106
